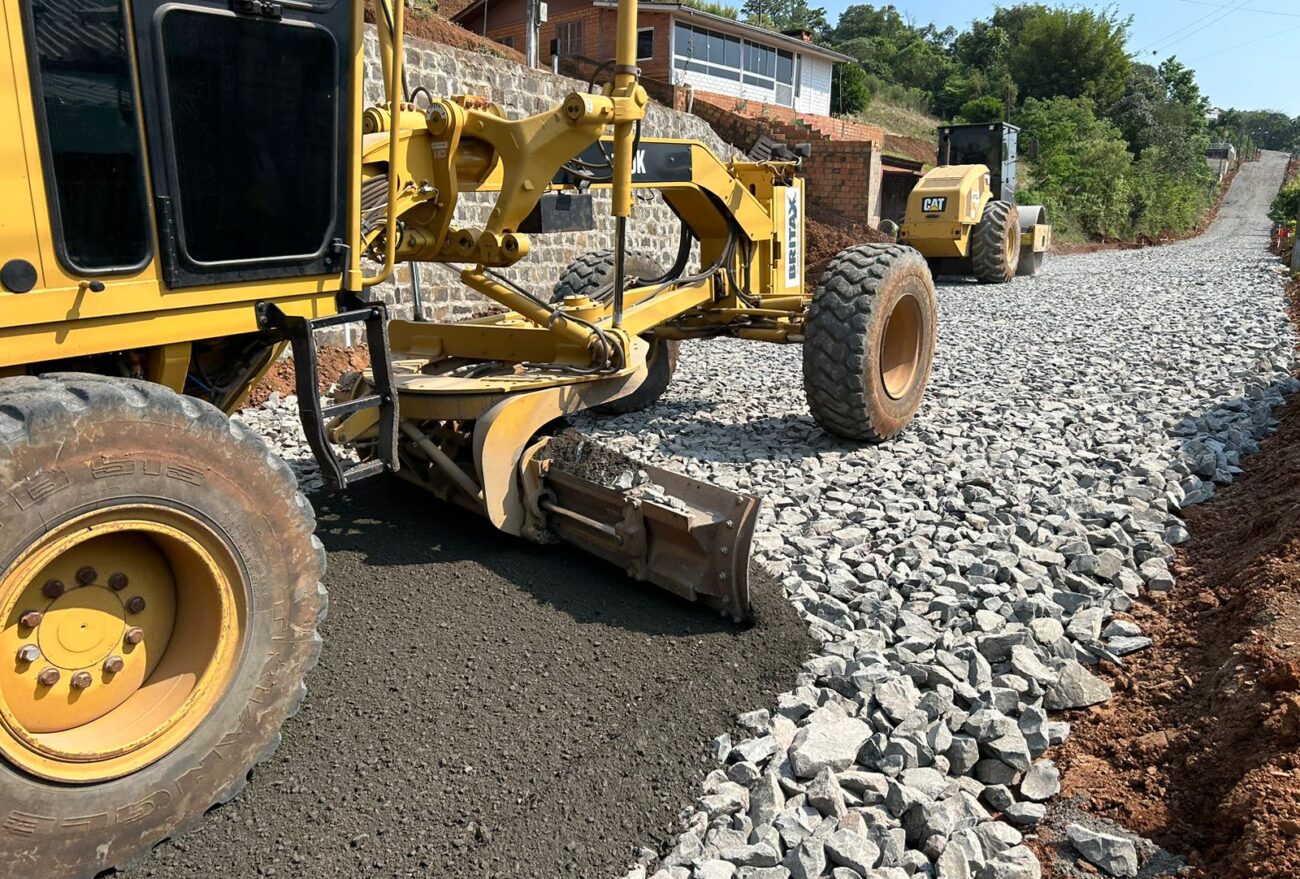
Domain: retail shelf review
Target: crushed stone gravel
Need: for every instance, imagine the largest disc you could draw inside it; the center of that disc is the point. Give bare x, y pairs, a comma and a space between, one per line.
962, 577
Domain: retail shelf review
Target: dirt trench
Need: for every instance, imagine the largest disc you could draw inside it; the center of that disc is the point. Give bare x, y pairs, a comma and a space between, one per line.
1200, 749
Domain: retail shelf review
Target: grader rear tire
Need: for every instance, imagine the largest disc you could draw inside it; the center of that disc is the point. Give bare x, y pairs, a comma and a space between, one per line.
995, 244
160, 584
592, 276
869, 341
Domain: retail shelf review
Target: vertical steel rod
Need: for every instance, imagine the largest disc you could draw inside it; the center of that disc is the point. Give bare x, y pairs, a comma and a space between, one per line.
620, 249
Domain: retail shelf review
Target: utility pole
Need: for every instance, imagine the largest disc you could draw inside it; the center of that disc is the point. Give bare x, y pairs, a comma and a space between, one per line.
531, 27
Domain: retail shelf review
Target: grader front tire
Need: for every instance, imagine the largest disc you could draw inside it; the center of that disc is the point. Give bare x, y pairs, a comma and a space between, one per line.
592, 276
869, 341
160, 584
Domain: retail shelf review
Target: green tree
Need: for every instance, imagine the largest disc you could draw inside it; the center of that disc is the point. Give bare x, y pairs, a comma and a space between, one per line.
1082, 172
1066, 52
849, 93
985, 109
787, 15
1270, 129
1287, 204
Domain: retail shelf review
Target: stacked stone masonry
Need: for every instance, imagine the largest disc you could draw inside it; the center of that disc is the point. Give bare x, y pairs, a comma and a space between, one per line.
443, 70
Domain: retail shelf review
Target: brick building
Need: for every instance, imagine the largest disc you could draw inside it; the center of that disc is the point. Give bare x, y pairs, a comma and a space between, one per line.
676, 44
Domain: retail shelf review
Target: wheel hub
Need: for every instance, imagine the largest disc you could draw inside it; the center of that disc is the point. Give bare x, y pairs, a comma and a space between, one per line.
900, 348
117, 634
81, 628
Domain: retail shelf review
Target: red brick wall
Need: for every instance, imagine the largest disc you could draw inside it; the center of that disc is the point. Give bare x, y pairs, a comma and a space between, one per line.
839, 176
842, 175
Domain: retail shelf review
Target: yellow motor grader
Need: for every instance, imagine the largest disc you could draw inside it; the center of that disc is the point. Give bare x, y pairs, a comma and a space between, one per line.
187, 189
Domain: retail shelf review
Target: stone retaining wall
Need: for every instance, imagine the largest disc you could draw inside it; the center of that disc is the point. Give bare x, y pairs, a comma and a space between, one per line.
444, 70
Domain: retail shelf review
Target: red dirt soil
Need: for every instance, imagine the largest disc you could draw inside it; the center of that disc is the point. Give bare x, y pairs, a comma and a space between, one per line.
332, 362
1200, 748
433, 27
827, 234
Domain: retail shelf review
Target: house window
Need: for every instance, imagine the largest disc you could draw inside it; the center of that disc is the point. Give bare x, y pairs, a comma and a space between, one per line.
645, 44
704, 51
508, 42
708, 52
568, 39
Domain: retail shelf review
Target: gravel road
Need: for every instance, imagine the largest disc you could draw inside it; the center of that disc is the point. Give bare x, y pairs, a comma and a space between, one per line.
489, 709
963, 579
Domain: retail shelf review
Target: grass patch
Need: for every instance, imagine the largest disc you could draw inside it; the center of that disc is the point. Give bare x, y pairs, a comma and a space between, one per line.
899, 120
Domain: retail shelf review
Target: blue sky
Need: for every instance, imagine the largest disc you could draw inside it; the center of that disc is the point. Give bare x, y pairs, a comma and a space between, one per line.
1246, 53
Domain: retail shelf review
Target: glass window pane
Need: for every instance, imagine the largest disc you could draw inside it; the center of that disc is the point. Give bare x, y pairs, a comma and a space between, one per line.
717, 50
253, 122
733, 52
645, 44
681, 40
785, 67
87, 95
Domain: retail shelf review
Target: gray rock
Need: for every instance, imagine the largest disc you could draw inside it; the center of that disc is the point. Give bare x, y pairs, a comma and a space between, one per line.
756, 855
763, 873
1024, 814
952, 863
1014, 863
828, 746
766, 799
807, 860
1113, 855
847, 849
714, 870
825, 795
1041, 782
1076, 688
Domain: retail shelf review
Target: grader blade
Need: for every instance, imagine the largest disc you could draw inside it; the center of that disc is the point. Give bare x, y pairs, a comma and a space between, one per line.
681, 534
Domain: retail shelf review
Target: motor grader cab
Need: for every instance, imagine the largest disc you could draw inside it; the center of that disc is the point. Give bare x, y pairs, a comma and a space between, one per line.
191, 187
962, 215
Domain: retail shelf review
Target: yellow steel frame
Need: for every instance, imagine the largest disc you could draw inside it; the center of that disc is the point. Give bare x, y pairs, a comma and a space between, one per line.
63, 317
461, 145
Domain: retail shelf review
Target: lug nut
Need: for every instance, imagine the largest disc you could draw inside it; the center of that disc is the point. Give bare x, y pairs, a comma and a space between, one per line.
31, 619
118, 581
87, 575
134, 635
114, 664
48, 678
29, 653
135, 605
53, 589
81, 680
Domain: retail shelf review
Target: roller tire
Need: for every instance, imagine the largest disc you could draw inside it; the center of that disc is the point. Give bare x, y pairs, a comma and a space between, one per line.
185, 455
590, 275
992, 262
845, 331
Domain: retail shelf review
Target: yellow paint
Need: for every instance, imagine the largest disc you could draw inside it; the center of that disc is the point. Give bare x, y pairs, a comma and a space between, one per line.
1038, 238
946, 232
61, 317
192, 619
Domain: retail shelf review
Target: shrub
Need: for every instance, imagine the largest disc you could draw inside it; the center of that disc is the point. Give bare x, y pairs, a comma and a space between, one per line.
1287, 204
984, 109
